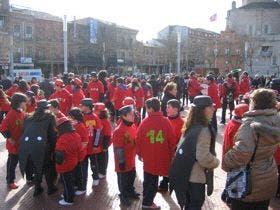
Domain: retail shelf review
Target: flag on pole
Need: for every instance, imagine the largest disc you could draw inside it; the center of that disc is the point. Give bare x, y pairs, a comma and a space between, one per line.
213, 17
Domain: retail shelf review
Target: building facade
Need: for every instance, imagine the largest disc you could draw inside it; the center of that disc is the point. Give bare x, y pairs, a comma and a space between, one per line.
257, 23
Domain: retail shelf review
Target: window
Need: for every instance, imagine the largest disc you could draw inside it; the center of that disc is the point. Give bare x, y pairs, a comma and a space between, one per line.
28, 32
250, 30
17, 30
266, 29
274, 60
1, 22
265, 48
29, 52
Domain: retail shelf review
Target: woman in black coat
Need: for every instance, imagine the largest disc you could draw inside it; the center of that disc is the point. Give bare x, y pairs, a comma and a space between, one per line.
170, 92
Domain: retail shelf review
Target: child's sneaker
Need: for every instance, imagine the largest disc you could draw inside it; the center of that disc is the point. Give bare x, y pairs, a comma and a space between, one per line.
12, 186
95, 182
80, 192
65, 203
152, 207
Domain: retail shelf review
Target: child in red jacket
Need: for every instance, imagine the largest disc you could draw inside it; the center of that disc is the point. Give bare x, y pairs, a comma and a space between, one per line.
55, 108
155, 143
76, 116
124, 153
106, 133
93, 126
12, 128
4, 104
173, 113
67, 150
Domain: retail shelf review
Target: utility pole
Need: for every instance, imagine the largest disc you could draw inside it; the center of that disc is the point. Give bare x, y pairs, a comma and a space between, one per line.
12, 56
178, 52
65, 44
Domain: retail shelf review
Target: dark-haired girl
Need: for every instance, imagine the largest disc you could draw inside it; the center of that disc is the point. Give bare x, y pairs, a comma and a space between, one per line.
11, 128
67, 153
106, 133
76, 116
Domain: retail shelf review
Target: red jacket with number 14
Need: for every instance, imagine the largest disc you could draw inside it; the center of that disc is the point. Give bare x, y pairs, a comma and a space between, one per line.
155, 144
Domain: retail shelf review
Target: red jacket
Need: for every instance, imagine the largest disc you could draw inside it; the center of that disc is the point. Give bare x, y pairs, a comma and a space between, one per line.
70, 144
111, 91
77, 97
155, 141
95, 90
83, 132
213, 92
177, 125
10, 92
194, 87
277, 155
4, 105
12, 127
69, 88
120, 93
138, 96
30, 108
106, 130
92, 123
65, 100
244, 85
124, 137
229, 133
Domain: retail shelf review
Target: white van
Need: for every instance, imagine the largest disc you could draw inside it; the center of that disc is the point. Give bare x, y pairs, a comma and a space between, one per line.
27, 74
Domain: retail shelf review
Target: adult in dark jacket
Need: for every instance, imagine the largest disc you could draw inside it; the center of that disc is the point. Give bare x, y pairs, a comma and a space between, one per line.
170, 92
37, 147
155, 85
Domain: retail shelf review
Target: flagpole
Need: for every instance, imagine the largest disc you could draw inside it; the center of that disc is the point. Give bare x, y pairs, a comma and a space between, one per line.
65, 44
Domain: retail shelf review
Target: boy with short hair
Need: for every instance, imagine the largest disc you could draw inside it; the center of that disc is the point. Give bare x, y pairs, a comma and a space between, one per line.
155, 143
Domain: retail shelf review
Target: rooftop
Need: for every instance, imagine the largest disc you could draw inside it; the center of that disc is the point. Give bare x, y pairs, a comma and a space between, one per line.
35, 14
262, 5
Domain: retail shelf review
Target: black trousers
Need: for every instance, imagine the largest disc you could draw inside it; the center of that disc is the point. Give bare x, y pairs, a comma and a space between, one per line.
195, 196
94, 166
11, 168
68, 184
78, 177
84, 169
150, 186
240, 205
214, 121
103, 158
49, 172
164, 183
224, 109
126, 183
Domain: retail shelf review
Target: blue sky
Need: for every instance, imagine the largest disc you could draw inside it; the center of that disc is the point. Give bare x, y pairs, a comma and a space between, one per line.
148, 16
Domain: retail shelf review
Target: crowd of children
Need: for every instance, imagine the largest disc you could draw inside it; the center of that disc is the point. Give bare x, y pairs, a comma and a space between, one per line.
83, 133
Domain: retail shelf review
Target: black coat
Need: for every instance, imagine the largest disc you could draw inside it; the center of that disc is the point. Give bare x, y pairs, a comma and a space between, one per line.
37, 142
182, 164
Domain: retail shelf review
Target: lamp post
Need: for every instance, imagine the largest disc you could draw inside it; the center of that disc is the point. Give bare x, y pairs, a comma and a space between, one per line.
178, 52
65, 44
